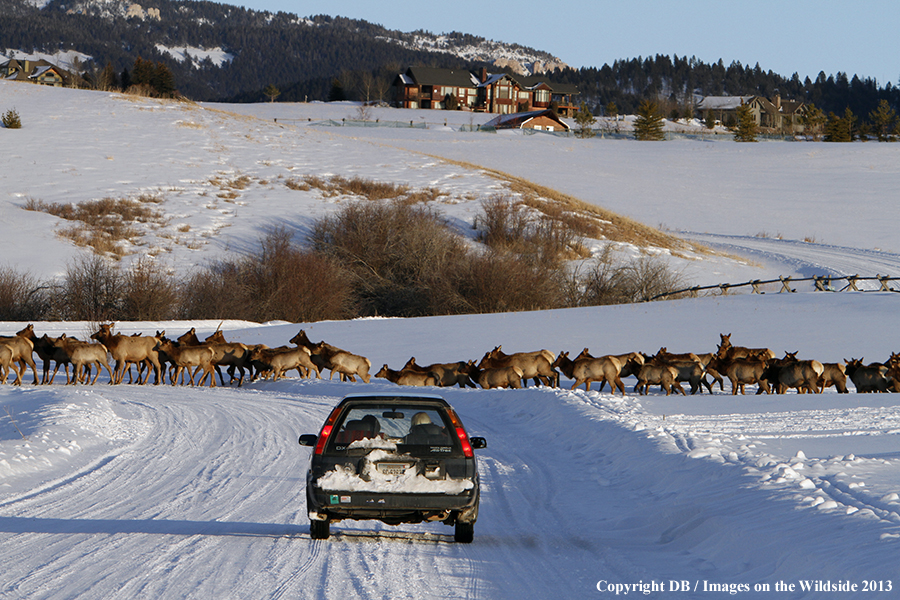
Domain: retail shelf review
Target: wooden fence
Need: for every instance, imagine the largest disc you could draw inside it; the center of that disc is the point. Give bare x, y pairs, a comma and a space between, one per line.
821, 283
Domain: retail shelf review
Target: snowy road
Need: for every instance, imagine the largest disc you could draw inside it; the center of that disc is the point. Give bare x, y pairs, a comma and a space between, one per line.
799, 258
200, 495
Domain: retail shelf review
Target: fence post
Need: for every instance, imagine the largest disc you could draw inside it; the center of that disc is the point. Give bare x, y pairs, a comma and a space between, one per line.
785, 284
851, 283
755, 284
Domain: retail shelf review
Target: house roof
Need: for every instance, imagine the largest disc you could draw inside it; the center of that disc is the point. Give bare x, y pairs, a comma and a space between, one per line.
530, 83
723, 102
519, 119
448, 77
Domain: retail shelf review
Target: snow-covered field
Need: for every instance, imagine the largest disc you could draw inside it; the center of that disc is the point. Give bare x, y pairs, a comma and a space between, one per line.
142, 492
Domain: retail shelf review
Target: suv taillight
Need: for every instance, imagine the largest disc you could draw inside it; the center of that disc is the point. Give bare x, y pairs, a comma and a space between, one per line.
326, 431
461, 434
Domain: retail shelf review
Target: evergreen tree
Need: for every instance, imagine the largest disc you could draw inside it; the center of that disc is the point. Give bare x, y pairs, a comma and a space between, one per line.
271, 92
745, 130
649, 123
162, 80
585, 120
814, 122
841, 129
337, 91
142, 72
710, 120
884, 120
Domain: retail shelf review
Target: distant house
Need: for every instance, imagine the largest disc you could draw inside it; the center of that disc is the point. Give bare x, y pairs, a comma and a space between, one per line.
539, 120
421, 87
36, 71
774, 116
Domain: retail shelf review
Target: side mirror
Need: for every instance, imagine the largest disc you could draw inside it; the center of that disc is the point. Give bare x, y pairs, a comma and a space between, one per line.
478, 443
309, 439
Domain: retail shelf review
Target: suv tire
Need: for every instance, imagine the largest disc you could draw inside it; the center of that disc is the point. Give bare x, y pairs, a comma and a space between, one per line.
319, 530
465, 533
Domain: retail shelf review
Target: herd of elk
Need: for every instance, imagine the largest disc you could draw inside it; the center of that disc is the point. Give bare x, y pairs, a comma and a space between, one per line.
185, 357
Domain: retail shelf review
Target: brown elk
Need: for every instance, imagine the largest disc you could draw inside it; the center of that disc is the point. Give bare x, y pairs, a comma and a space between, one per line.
663, 375
689, 369
587, 369
790, 372
128, 349
186, 358
5, 362
631, 362
835, 374
867, 378
233, 355
743, 371
283, 359
326, 356
534, 365
21, 349
448, 374
509, 376
704, 360
404, 377
729, 352
83, 355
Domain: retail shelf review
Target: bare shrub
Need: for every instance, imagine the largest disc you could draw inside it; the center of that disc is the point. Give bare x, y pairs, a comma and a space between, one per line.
638, 280
400, 255
501, 282
22, 297
511, 226
102, 224
91, 290
148, 292
279, 281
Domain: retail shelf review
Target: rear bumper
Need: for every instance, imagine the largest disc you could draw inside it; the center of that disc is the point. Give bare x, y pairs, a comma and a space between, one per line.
392, 508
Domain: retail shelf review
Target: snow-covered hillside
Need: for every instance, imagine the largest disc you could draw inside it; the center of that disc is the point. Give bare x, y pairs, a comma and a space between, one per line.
161, 492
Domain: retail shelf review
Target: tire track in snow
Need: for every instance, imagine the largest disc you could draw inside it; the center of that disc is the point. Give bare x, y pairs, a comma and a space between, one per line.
804, 258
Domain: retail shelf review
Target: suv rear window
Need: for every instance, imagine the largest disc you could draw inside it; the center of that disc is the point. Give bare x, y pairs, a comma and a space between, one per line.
407, 429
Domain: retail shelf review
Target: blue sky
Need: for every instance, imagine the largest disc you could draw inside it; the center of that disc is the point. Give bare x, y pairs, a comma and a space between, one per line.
802, 36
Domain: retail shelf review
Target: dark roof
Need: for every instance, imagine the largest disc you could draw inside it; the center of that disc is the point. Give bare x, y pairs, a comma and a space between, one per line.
449, 77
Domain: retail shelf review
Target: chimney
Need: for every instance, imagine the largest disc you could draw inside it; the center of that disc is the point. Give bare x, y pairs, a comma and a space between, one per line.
483, 74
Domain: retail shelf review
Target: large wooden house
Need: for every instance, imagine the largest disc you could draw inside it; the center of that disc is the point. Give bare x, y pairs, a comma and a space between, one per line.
36, 71
771, 116
502, 93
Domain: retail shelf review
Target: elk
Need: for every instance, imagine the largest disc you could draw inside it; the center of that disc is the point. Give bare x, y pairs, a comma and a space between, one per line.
835, 374
187, 357
867, 378
631, 361
790, 372
490, 378
534, 365
689, 369
83, 355
405, 377
665, 376
231, 354
587, 369
128, 349
5, 362
727, 351
741, 371
448, 374
21, 348
326, 356
283, 359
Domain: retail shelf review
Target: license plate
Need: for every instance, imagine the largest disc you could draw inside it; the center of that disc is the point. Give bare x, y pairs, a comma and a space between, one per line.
393, 469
